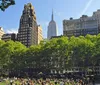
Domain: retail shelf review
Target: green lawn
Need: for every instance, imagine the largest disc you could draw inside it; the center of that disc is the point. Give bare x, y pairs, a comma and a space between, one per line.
2, 83
7, 82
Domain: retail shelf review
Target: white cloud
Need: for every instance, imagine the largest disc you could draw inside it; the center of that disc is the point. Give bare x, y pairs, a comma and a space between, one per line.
59, 14
86, 7
43, 23
12, 31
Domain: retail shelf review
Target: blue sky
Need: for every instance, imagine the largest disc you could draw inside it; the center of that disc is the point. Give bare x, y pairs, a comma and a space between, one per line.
63, 9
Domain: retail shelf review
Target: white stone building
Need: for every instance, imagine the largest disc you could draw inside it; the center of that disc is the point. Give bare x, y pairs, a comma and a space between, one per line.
82, 26
1, 32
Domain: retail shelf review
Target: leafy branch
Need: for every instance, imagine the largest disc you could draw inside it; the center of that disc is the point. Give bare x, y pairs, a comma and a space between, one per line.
5, 4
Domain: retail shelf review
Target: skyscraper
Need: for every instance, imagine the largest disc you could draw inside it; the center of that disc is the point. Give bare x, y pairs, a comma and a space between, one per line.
28, 29
52, 28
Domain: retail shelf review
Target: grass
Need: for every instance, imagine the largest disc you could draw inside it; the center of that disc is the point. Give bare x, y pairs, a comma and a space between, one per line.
7, 82
2, 83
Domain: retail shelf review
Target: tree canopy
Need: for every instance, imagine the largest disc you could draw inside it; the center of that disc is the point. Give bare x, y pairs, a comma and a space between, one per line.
6, 3
56, 54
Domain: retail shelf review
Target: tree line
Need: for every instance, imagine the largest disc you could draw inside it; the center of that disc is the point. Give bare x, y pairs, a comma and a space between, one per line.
56, 54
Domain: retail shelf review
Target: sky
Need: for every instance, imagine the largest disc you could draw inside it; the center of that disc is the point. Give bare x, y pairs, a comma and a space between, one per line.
63, 9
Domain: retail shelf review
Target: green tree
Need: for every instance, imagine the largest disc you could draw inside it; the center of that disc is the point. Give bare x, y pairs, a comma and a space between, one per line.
6, 3
54, 54
81, 52
32, 57
17, 57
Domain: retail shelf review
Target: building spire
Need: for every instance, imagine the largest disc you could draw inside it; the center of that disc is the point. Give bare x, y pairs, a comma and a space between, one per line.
52, 14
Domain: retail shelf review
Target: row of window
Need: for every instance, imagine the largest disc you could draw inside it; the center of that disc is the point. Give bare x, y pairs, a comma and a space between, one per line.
24, 38
25, 33
84, 30
27, 44
26, 41
92, 33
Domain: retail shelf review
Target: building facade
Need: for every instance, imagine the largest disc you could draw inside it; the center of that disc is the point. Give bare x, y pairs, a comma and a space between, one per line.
28, 33
82, 26
52, 28
11, 36
1, 32
40, 36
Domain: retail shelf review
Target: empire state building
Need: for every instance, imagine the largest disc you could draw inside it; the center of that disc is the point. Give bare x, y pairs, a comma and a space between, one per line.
52, 28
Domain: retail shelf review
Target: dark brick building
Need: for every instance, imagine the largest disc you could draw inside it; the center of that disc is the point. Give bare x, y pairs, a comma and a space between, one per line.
11, 36
28, 33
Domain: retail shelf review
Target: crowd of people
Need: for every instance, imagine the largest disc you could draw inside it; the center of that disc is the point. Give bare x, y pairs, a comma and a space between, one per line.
23, 81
